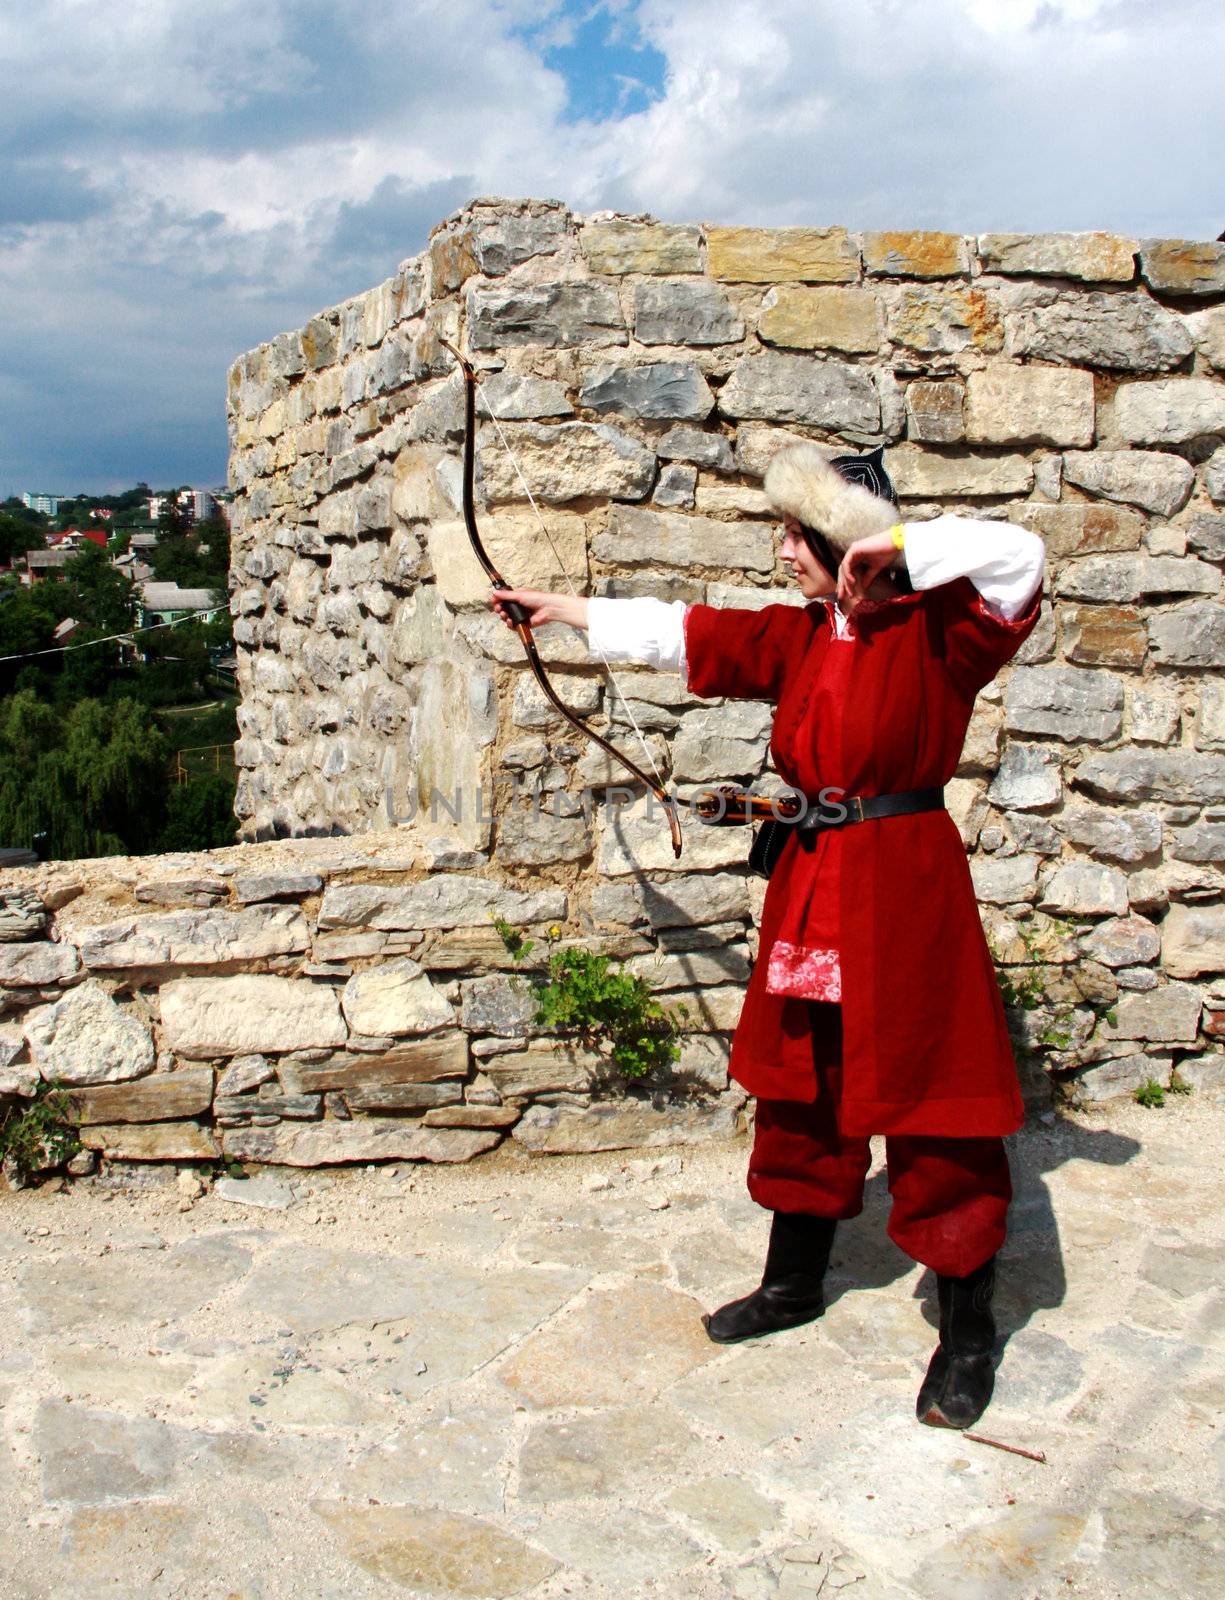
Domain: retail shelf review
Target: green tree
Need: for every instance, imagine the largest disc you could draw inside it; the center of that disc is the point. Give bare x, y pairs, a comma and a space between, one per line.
90, 782
200, 814
101, 599
20, 531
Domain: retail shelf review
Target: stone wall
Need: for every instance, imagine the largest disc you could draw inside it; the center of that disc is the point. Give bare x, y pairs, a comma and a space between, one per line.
331, 1000
305, 1000
644, 374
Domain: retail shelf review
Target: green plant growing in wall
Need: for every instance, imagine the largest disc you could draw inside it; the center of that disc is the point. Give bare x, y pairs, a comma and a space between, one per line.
581, 993
1150, 1093
40, 1133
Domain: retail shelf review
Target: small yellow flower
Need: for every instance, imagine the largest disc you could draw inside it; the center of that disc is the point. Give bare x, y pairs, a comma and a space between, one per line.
554, 932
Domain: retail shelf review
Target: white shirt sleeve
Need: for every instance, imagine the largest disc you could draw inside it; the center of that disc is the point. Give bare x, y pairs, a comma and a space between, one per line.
648, 631
1002, 561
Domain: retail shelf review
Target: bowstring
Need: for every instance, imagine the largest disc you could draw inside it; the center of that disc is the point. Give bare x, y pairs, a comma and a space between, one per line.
562, 568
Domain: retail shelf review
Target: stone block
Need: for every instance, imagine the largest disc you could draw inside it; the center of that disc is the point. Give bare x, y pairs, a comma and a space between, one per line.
504, 1005
1193, 942
1071, 703
1123, 941
1181, 777
710, 450
1112, 1080
568, 461
944, 320
162, 1097
85, 1038
1153, 712
364, 1139
1028, 778
394, 999
538, 837
637, 537
634, 839
216, 940
733, 499
1077, 530
1183, 266
674, 489
23, 917
920, 475
1117, 332
1168, 1014
1122, 578
441, 901
442, 1055
505, 242
403, 1097
801, 318
518, 397
1089, 257
1170, 410
680, 902
1207, 329
205, 1018
1214, 475
618, 247
935, 412
514, 539
693, 312
630, 1125
1005, 880
151, 1141
657, 389
530, 709
1105, 636
788, 388
1149, 479
544, 1069
1189, 635
1202, 841
781, 255
1210, 726
1029, 405
1082, 888
37, 965
554, 315
916, 254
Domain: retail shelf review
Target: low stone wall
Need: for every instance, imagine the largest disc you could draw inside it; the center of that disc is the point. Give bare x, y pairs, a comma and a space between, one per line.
313, 1002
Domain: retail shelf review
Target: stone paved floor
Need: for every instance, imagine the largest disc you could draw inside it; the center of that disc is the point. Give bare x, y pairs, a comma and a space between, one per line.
493, 1381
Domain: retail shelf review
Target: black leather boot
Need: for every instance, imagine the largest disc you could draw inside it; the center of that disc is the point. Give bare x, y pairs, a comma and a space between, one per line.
961, 1375
790, 1291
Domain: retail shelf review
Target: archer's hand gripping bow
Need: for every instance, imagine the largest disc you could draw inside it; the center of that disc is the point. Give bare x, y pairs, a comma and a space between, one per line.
519, 615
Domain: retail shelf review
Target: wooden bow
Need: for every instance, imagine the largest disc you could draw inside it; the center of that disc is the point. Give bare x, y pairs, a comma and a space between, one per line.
520, 616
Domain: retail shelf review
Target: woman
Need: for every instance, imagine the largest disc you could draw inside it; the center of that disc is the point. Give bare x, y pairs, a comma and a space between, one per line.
873, 1006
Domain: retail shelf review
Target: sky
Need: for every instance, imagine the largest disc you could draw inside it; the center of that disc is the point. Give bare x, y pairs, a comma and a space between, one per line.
183, 179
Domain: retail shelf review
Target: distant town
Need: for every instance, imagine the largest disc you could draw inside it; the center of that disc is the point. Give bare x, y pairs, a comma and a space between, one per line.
127, 528
117, 673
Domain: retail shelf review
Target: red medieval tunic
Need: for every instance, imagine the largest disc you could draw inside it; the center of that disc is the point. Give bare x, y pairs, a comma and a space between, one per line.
925, 1047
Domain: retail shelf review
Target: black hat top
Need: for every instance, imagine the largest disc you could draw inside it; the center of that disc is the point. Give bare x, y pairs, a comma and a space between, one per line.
869, 471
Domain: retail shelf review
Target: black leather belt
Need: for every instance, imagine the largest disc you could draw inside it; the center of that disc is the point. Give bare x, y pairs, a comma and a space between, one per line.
851, 808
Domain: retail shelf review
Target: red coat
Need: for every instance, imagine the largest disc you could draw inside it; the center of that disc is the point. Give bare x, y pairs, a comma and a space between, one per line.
925, 1047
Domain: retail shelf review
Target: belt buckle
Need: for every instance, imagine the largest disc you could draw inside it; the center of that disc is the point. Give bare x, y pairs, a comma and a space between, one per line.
854, 805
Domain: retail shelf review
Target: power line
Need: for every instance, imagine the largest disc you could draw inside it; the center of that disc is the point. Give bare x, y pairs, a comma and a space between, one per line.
63, 649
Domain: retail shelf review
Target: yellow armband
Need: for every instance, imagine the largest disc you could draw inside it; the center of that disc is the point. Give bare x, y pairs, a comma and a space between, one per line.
898, 537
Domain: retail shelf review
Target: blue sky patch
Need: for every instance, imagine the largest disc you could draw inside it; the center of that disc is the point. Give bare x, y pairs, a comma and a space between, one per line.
609, 69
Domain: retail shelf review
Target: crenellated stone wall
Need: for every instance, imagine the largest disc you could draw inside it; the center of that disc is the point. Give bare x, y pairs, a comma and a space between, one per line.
643, 374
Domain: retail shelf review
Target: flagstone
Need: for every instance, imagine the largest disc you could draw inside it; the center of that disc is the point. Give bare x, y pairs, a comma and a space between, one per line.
634, 1547
606, 1454
435, 1552
727, 1511
70, 1292
647, 1336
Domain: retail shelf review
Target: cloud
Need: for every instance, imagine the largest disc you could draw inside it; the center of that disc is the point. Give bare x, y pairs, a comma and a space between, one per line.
185, 178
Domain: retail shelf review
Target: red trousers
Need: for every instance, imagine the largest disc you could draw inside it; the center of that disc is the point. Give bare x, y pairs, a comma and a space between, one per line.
950, 1196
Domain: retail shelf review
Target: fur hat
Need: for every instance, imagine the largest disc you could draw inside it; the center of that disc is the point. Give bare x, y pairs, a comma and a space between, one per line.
803, 482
